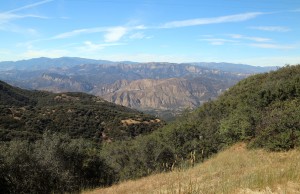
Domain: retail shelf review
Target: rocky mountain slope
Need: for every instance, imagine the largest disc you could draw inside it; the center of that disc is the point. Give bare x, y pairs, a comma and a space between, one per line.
145, 86
164, 94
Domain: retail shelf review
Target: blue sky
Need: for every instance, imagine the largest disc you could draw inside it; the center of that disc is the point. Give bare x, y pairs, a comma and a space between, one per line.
255, 32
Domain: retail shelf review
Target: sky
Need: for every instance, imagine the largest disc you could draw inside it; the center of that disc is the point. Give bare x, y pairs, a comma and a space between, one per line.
254, 32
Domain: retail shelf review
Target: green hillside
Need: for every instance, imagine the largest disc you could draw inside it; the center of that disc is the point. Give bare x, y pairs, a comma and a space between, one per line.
262, 110
51, 143
27, 114
12, 96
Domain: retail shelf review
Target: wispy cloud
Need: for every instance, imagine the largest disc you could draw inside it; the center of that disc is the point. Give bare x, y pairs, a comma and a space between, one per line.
87, 49
27, 6
112, 34
10, 15
271, 46
214, 20
218, 41
17, 29
90, 46
7, 17
79, 32
139, 35
271, 28
115, 34
252, 38
252, 41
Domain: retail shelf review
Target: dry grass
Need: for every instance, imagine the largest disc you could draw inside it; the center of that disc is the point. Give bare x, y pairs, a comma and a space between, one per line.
128, 122
236, 170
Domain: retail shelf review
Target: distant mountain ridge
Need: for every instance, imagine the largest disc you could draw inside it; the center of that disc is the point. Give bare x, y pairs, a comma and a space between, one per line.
235, 68
44, 63
103, 78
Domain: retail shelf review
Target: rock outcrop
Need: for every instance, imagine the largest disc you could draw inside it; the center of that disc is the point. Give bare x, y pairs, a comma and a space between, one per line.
163, 94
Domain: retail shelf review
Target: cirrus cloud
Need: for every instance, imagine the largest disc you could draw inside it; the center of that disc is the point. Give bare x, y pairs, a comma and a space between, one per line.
252, 38
213, 20
272, 46
271, 28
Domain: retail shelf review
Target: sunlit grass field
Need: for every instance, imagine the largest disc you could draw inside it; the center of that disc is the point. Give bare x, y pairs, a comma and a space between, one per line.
235, 170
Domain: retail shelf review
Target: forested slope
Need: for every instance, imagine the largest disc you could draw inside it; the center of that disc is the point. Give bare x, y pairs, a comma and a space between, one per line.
27, 114
262, 110
51, 143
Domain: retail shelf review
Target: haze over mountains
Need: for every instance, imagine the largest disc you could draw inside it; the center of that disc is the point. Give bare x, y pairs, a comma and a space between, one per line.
144, 86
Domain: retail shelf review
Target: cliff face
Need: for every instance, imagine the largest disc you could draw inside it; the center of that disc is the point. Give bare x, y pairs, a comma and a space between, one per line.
163, 94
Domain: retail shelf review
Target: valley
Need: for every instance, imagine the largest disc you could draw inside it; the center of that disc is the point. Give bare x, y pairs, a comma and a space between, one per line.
163, 89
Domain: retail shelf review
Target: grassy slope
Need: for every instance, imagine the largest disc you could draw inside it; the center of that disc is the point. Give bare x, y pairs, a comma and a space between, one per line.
235, 170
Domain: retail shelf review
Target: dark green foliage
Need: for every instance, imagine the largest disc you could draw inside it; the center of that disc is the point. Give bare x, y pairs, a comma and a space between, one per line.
54, 164
32, 161
280, 126
14, 96
29, 113
138, 158
263, 109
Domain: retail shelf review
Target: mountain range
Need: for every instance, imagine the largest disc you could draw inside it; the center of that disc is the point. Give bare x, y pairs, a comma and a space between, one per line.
154, 86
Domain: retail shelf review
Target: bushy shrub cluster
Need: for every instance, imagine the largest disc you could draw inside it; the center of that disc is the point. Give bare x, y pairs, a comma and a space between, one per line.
54, 164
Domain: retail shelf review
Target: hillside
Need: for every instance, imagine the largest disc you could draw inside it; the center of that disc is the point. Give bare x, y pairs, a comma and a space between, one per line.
234, 171
51, 143
262, 110
28, 114
165, 94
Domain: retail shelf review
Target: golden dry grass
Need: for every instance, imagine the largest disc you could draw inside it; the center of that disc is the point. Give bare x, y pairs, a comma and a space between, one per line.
235, 170
128, 122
